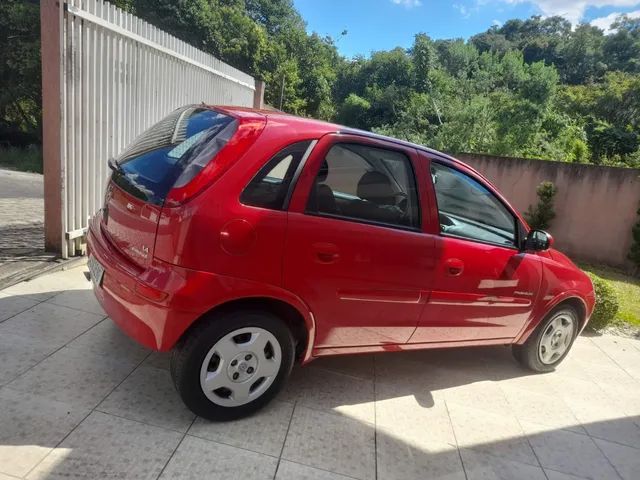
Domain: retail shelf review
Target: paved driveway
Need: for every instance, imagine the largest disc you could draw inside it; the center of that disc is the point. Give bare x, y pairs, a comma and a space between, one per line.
78, 399
21, 225
21, 211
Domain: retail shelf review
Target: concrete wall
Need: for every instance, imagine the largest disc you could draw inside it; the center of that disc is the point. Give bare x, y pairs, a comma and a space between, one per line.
595, 206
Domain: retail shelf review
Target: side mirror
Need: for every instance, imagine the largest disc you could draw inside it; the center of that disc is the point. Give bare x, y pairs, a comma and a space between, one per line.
538, 241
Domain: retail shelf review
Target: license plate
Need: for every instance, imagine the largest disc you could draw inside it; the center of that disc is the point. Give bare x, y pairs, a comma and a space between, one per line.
96, 270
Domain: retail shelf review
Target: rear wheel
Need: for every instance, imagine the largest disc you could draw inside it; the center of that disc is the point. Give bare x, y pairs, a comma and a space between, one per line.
550, 342
232, 364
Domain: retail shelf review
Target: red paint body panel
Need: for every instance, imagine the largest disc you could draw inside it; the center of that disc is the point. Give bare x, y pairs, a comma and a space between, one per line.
358, 287
374, 290
492, 297
159, 325
131, 224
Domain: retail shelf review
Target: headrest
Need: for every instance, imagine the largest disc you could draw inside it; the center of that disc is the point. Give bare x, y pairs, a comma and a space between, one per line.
376, 187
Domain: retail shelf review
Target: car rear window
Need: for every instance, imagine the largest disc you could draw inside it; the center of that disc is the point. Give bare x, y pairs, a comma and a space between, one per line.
175, 148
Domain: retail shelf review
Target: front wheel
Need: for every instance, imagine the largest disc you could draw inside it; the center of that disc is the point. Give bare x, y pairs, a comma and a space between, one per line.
232, 364
550, 343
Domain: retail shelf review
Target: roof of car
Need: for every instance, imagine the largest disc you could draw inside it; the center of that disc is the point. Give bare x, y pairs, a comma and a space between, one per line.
335, 128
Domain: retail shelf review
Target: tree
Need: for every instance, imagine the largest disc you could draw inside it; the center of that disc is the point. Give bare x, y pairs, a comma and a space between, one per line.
20, 97
354, 111
582, 58
424, 58
532, 88
541, 216
622, 48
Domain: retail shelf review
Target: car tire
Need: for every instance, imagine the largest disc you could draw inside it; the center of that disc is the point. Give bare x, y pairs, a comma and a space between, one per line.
550, 342
232, 363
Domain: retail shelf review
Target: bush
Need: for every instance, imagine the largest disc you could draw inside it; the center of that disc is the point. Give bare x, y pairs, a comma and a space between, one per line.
24, 159
607, 304
540, 216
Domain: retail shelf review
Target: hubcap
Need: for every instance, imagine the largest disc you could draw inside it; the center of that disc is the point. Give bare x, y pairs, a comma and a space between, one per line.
240, 366
556, 338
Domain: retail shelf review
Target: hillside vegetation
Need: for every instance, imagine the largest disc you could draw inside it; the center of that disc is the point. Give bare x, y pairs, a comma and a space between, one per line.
532, 88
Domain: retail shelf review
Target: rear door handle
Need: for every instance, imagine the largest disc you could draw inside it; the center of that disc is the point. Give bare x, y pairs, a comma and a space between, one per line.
325, 257
454, 267
326, 252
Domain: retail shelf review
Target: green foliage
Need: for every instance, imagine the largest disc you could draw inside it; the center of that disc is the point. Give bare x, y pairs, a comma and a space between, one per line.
532, 88
540, 216
355, 111
24, 159
20, 97
607, 304
425, 60
634, 252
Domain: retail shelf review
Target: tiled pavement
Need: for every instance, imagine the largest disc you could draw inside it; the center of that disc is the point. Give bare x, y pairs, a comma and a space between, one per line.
80, 400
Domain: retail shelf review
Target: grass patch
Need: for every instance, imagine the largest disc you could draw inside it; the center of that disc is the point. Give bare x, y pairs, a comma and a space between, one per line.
22, 159
627, 290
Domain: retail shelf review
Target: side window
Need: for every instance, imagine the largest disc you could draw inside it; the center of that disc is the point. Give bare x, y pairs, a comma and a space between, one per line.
366, 183
268, 189
469, 210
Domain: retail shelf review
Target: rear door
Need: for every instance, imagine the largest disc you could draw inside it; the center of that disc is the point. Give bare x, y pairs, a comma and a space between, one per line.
355, 251
145, 172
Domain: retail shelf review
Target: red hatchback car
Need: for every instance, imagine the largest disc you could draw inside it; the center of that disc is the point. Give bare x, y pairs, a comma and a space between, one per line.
246, 240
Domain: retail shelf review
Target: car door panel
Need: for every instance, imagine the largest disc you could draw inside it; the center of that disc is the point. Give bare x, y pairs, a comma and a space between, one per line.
481, 290
371, 292
492, 297
366, 284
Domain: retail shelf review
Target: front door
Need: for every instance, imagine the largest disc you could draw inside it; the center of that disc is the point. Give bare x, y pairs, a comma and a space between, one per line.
355, 252
484, 286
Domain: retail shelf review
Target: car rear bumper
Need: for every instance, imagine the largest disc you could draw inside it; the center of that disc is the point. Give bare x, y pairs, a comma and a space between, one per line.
150, 305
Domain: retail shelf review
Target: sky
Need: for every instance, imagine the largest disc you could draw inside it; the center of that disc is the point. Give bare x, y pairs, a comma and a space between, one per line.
384, 24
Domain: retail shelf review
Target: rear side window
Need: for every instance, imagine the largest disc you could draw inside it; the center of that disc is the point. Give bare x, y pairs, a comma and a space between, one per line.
370, 184
172, 152
270, 186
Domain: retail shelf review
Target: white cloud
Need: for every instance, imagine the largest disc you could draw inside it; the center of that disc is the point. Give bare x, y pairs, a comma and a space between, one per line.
572, 10
496, 23
464, 11
605, 22
408, 3
467, 11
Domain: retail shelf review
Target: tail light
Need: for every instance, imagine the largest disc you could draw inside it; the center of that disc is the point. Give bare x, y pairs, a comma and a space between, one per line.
223, 151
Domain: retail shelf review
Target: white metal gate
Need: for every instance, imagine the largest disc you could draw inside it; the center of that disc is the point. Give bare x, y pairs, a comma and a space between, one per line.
118, 76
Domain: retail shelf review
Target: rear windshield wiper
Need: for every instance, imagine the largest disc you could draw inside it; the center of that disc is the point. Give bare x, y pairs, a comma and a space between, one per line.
115, 166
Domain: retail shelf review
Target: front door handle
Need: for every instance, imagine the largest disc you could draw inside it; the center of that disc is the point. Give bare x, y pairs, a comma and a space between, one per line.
326, 252
454, 267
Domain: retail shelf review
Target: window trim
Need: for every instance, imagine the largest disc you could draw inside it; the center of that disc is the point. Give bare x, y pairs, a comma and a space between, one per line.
516, 220
297, 173
262, 171
363, 221
407, 155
